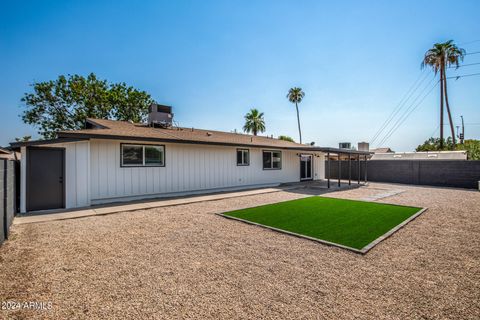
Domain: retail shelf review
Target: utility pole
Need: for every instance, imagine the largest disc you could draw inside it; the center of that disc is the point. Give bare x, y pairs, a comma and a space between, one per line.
462, 135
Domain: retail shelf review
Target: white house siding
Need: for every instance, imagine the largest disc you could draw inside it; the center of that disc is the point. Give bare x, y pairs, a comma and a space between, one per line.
319, 166
188, 168
77, 174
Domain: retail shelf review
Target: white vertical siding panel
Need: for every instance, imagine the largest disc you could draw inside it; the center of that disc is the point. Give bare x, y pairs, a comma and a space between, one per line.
94, 169
127, 175
70, 176
82, 174
119, 173
187, 168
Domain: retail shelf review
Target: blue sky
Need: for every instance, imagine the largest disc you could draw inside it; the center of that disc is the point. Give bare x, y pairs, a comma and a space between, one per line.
214, 60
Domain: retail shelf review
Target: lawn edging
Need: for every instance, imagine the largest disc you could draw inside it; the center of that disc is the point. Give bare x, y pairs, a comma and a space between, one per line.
362, 251
391, 231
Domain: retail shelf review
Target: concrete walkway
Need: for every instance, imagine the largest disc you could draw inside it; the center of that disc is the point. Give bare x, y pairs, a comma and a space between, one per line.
146, 204
383, 195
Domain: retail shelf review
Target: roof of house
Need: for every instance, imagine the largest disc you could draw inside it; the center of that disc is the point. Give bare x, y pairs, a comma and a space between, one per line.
124, 129
111, 129
381, 150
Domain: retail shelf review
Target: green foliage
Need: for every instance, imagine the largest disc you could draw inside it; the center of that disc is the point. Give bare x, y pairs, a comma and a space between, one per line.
433, 144
443, 54
23, 139
65, 103
254, 122
295, 95
471, 146
286, 138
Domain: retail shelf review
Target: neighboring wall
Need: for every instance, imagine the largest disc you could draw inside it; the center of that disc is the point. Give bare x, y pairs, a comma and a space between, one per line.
7, 196
188, 167
444, 173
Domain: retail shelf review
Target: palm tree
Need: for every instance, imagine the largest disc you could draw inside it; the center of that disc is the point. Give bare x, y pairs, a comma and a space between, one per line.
441, 56
254, 122
295, 95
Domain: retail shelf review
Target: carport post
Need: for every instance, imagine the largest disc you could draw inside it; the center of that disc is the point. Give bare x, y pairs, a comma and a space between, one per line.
349, 169
339, 168
365, 168
328, 170
358, 173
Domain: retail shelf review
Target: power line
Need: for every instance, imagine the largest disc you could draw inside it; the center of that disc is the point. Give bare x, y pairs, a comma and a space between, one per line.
469, 53
465, 65
434, 131
399, 106
399, 119
464, 75
405, 116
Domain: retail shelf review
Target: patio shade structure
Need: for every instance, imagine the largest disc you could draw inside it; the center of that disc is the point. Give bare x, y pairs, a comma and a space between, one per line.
348, 153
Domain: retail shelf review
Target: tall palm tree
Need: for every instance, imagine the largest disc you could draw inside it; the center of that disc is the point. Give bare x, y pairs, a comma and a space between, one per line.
441, 56
295, 95
254, 122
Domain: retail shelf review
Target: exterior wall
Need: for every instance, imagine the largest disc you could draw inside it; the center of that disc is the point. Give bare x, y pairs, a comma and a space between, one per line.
77, 174
442, 173
319, 166
93, 173
187, 168
7, 197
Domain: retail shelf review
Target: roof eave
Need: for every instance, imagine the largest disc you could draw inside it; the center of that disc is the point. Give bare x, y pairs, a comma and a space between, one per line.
19, 144
232, 144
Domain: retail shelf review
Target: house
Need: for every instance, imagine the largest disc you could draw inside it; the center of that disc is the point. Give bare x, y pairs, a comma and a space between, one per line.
112, 161
421, 155
382, 150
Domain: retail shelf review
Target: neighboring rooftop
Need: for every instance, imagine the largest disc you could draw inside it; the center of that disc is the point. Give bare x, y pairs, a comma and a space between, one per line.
423, 155
382, 150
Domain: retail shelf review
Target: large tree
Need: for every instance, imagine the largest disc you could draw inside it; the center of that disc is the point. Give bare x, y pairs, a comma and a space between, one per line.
295, 95
440, 57
65, 103
254, 122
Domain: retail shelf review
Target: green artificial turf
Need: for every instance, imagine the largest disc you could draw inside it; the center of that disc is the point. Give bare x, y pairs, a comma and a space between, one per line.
350, 223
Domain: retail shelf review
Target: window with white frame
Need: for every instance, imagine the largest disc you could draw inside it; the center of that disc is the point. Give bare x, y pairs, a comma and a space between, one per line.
135, 155
272, 160
243, 157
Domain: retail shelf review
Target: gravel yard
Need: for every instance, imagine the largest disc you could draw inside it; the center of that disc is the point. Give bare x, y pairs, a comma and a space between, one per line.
186, 262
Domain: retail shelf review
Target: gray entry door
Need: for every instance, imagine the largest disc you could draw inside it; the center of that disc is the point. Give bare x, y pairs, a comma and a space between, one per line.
45, 178
306, 167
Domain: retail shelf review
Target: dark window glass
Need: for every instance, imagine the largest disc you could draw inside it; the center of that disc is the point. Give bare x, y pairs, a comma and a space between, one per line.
239, 157
272, 160
277, 160
246, 157
243, 157
267, 160
132, 155
154, 155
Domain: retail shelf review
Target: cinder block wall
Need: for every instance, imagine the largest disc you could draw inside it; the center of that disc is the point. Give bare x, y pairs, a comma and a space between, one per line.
2, 196
443, 173
7, 196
